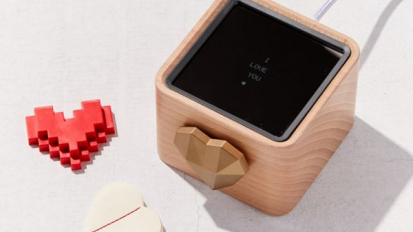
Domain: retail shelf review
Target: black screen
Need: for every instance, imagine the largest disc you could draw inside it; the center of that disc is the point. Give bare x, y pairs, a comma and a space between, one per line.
258, 69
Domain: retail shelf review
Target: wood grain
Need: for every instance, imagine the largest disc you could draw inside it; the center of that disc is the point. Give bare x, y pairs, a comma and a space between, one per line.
279, 172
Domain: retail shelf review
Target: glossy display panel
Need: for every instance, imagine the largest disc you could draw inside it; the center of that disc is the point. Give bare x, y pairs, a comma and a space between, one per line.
258, 70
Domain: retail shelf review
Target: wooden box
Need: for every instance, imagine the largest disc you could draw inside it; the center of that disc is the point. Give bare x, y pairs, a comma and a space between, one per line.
280, 172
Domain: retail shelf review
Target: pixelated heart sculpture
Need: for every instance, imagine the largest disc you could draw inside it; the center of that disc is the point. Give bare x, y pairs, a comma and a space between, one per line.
119, 207
71, 140
216, 162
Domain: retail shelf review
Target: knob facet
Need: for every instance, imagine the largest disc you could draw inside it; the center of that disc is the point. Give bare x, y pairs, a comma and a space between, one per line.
216, 162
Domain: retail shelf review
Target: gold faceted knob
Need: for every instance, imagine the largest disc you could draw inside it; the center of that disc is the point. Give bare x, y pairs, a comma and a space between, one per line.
216, 162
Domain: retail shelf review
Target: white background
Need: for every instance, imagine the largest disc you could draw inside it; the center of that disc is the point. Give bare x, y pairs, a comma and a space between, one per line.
60, 52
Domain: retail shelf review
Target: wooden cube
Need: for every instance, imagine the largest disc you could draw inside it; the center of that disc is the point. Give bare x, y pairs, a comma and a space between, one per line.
279, 172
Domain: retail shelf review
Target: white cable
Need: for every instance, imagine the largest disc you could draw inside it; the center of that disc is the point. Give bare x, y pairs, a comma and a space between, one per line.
323, 9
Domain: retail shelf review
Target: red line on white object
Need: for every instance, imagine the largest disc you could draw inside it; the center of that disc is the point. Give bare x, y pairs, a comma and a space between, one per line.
110, 223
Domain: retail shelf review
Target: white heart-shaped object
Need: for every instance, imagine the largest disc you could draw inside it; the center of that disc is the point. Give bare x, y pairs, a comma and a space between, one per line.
119, 207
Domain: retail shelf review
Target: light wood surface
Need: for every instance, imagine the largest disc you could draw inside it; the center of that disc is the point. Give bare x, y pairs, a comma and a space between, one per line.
279, 172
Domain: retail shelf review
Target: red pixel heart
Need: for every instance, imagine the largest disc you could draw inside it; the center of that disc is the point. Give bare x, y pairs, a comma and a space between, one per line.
71, 140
